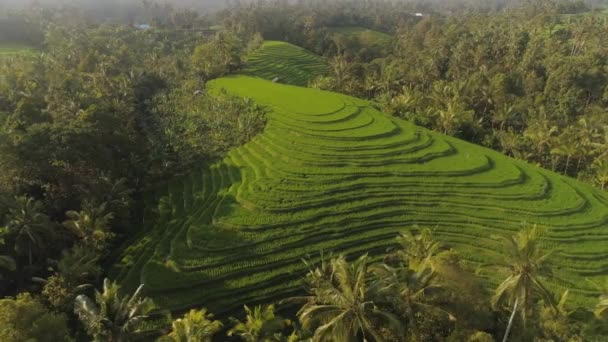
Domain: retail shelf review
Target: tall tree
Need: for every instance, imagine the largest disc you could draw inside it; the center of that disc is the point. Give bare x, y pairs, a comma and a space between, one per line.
417, 250
75, 272
109, 316
260, 325
527, 265
25, 318
340, 306
195, 326
29, 227
408, 292
91, 224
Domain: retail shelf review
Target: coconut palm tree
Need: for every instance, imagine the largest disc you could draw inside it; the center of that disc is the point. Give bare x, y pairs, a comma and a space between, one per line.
110, 317
340, 305
261, 325
30, 227
556, 323
567, 146
91, 224
341, 69
408, 290
601, 309
600, 168
541, 133
527, 265
74, 273
417, 251
195, 326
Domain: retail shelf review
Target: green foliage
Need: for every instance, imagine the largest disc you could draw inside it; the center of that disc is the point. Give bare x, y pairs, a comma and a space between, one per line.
29, 228
528, 266
110, 317
218, 57
91, 225
557, 324
417, 250
25, 319
76, 269
196, 325
480, 336
340, 305
6, 262
260, 325
601, 308
203, 126
335, 174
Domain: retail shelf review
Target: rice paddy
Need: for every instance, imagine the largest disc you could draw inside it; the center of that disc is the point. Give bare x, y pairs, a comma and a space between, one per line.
285, 62
330, 173
366, 37
13, 50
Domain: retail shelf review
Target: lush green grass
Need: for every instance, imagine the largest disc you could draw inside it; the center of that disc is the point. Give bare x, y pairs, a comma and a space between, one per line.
291, 64
8, 50
366, 37
330, 173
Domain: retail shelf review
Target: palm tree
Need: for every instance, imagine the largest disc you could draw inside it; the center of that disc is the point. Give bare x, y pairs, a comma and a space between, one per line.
195, 326
340, 305
79, 264
600, 168
601, 309
408, 292
7, 263
417, 250
568, 147
261, 325
29, 225
74, 272
541, 133
341, 69
502, 116
511, 144
528, 265
556, 323
109, 316
91, 224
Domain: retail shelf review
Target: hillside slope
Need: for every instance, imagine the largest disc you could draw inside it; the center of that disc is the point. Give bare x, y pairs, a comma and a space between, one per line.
290, 63
365, 37
330, 173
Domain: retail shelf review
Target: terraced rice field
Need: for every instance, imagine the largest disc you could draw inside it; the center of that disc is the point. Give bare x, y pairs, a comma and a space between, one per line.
366, 37
291, 64
330, 173
15, 50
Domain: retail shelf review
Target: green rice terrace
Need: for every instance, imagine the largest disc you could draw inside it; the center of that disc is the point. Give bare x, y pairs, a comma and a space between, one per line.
289, 63
330, 173
366, 37
12, 50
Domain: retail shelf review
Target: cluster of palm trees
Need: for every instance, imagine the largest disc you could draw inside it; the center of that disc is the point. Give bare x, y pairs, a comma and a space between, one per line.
403, 297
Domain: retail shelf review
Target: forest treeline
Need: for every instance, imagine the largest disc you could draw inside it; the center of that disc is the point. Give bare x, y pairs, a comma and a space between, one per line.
418, 291
105, 110
530, 81
88, 123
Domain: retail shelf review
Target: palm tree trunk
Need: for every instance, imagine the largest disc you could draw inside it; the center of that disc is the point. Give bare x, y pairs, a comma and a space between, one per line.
504, 339
567, 165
